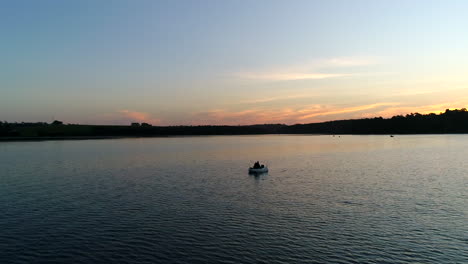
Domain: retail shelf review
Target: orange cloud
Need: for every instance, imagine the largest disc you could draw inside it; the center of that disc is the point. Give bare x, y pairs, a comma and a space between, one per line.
345, 110
314, 113
425, 109
307, 114
286, 115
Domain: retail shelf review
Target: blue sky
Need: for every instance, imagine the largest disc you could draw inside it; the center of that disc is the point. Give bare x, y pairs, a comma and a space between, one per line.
230, 62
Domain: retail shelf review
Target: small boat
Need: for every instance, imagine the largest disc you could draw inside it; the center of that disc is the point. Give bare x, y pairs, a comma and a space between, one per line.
258, 170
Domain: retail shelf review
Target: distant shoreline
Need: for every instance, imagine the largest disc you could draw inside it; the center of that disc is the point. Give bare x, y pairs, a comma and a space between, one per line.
9, 139
36, 139
448, 122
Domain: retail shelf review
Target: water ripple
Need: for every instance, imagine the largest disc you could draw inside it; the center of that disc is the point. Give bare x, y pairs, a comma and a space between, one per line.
163, 202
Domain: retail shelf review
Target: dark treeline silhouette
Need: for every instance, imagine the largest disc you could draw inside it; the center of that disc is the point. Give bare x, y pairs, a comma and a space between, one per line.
451, 121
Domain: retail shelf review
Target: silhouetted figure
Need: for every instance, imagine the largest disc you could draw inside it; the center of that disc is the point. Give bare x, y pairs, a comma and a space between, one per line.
256, 165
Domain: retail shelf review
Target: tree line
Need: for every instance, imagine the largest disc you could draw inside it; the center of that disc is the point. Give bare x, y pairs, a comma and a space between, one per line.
450, 121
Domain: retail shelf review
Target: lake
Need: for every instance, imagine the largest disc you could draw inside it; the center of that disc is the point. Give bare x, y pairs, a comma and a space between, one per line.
342, 199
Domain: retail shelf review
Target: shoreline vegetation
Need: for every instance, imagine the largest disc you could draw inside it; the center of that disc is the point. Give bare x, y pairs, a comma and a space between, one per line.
448, 122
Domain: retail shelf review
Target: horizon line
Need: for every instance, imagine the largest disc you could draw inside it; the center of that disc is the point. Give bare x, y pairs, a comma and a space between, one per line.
143, 124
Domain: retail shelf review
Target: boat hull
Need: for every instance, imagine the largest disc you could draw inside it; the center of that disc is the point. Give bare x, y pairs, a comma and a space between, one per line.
259, 170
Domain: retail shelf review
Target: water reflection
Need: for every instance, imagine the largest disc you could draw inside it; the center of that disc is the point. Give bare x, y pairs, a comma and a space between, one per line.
258, 176
327, 199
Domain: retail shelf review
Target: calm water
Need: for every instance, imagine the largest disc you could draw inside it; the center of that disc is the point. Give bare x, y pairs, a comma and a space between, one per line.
348, 199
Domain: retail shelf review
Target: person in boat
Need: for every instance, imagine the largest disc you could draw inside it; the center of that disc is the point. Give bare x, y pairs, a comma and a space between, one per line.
257, 165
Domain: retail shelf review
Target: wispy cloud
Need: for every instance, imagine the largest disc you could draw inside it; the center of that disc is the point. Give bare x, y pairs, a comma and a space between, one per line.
314, 70
290, 76
287, 115
243, 117
423, 109
345, 110
350, 61
275, 98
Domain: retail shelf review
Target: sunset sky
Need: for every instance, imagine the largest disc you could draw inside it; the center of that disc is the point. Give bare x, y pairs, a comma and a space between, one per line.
230, 62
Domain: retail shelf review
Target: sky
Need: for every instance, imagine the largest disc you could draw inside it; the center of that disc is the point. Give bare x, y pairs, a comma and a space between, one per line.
230, 62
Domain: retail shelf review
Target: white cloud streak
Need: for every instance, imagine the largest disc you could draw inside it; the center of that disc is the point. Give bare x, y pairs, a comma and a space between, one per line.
309, 71
291, 76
